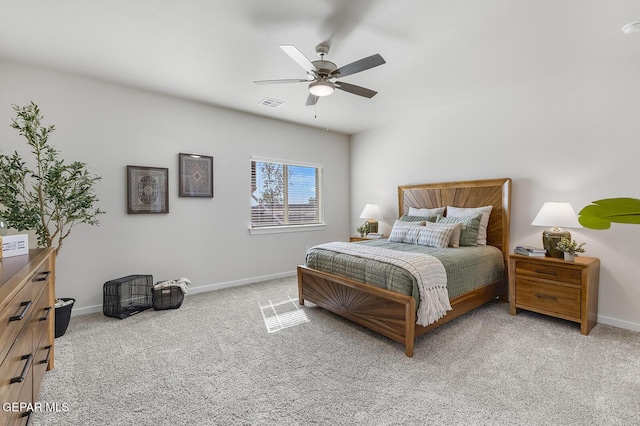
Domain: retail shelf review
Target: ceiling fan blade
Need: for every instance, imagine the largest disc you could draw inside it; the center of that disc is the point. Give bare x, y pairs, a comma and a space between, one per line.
287, 80
356, 90
299, 57
312, 100
361, 65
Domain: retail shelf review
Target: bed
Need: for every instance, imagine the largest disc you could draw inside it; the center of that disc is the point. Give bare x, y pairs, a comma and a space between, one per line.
393, 314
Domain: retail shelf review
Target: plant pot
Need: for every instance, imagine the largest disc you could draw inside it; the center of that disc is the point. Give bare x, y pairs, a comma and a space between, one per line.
569, 257
63, 315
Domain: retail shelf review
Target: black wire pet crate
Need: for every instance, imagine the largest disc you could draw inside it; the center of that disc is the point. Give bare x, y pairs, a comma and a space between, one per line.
127, 296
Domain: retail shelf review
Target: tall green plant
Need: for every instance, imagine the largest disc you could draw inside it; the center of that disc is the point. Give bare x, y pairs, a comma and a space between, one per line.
55, 196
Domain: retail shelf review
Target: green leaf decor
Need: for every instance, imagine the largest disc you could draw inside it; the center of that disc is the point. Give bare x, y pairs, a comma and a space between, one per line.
601, 213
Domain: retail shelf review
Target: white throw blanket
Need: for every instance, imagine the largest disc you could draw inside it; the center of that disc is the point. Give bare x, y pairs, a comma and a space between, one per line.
183, 283
428, 271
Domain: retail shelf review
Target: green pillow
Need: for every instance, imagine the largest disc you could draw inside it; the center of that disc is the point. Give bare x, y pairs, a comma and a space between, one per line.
468, 235
407, 218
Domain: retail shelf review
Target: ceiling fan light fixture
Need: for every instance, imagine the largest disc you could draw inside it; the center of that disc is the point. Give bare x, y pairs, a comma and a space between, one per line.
321, 88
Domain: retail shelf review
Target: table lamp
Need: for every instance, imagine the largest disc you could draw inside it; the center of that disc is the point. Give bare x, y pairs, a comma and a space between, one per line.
556, 215
371, 212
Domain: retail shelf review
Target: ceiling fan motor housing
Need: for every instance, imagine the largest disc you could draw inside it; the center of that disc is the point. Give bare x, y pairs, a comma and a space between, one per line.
325, 68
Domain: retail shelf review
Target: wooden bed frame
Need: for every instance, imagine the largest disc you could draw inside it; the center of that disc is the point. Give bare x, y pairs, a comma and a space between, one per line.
393, 314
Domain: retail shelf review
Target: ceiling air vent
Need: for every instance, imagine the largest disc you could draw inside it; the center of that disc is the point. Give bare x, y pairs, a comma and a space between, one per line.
271, 103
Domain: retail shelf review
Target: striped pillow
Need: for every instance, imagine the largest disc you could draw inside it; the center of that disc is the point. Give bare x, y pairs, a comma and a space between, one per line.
455, 237
404, 232
485, 211
469, 235
429, 235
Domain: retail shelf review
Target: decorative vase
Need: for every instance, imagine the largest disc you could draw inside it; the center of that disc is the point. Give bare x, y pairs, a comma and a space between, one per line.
569, 257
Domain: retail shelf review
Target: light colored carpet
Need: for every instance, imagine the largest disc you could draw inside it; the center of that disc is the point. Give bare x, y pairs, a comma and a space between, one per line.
213, 362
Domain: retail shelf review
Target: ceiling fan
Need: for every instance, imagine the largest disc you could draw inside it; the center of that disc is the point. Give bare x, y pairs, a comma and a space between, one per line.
321, 74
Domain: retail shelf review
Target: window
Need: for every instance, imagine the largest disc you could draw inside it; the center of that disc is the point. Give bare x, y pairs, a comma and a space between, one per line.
285, 195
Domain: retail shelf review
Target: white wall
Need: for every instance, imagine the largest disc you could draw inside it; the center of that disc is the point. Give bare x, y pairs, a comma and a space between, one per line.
207, 240
575, 138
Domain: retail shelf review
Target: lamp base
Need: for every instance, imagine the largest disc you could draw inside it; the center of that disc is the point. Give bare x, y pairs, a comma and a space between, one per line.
551, 238
372, 226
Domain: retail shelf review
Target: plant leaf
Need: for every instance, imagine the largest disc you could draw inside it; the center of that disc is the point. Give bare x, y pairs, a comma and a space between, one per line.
601, 213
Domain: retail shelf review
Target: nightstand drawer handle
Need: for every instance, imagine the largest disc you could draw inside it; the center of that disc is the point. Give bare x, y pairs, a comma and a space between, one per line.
546, 296
546, 272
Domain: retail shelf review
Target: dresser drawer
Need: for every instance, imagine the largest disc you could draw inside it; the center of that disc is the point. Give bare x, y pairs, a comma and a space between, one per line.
15, 371
549, 272
16, 417
552, 298
17, 314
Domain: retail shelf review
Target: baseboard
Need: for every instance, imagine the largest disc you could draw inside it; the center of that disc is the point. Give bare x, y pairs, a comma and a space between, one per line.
195, 290
627, 325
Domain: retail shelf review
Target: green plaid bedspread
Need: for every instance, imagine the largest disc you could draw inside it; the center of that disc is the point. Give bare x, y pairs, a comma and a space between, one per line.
467, 267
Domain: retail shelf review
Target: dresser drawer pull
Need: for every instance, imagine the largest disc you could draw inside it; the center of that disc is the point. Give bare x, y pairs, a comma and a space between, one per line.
540, 271
27, 414
43, 276
46, 317
546, 296
26, 305
24, 370
46, 361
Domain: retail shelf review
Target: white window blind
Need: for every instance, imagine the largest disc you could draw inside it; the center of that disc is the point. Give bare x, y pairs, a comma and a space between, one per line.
285, 193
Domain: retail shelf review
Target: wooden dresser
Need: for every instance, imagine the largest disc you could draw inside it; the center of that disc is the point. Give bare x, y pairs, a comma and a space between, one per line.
555, 287
27, 298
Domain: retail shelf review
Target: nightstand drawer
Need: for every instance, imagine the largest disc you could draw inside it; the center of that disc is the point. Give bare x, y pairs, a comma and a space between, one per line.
549, 272
558, 299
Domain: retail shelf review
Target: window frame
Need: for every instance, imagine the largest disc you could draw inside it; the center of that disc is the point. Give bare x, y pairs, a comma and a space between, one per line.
288, 227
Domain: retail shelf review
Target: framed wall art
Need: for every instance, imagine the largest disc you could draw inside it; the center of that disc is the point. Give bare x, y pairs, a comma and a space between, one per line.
147, 190
195, 175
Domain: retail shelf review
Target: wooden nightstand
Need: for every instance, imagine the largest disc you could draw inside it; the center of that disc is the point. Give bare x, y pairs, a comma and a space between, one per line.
551, 286
355, 239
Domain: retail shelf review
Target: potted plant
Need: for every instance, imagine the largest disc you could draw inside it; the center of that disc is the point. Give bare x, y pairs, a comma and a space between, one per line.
599, 214
51, 198
362, 229
570, 248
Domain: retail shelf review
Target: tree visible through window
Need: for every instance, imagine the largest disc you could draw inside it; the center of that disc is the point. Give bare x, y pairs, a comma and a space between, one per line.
284, 193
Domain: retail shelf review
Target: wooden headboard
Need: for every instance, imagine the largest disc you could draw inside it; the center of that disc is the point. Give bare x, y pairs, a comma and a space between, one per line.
471, 193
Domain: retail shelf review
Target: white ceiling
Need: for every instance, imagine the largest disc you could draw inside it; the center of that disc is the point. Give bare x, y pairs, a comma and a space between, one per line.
438, 52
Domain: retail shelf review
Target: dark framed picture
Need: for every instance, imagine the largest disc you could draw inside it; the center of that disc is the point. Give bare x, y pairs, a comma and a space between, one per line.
196, 175
147, 190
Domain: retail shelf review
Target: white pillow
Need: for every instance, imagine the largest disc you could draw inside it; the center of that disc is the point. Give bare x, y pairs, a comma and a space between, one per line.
470, 211
425, 212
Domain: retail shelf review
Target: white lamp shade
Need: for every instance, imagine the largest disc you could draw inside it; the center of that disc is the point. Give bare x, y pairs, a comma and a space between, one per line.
371, 211
559, 215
